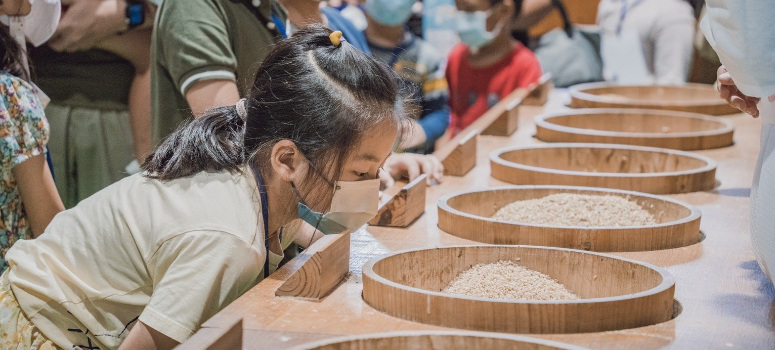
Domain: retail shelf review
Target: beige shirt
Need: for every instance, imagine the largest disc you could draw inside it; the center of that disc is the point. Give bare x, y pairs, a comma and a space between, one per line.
169, 254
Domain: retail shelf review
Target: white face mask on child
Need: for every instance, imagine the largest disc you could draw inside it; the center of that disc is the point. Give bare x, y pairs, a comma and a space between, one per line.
472, 28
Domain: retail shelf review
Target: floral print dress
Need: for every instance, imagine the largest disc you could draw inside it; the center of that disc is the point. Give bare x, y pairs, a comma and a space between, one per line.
23, 134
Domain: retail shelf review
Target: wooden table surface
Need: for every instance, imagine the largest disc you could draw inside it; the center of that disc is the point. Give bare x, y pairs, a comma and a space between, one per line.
726, 300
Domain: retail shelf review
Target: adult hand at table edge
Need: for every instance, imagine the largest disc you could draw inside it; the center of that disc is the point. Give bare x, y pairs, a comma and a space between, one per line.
729, 92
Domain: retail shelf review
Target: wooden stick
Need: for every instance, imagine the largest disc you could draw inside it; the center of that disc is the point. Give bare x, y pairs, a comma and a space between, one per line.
403, 208
318, 270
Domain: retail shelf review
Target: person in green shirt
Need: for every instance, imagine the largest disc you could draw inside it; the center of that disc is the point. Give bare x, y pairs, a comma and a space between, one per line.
204, 54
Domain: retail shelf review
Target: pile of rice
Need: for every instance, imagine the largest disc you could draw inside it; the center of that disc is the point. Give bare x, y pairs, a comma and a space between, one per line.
508, 280
568, 209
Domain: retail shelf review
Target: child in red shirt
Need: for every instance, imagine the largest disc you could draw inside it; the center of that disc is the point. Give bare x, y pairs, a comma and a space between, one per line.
489, 64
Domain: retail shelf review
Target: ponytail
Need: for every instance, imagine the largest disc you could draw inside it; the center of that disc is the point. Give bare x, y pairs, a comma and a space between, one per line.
212, 142
323, 95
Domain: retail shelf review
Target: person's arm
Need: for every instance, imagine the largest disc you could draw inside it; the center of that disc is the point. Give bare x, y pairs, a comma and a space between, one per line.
135, 46
192, 43
207, 94
143, 337
532, 12
88, 22
435, 109
39, 194
434, 124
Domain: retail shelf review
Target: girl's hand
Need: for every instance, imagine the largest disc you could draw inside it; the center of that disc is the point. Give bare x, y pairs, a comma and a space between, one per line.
410, 165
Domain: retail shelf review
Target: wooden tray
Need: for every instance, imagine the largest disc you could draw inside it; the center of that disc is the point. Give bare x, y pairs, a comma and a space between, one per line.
435, 340
635, 168
616, 293
467, 214
696, 98
642, 127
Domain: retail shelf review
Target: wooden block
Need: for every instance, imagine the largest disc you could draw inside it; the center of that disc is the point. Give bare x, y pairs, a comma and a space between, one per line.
318, 270
506, 124
694, 98
463, 157
539, 93
615, 293
640, 127
403, 208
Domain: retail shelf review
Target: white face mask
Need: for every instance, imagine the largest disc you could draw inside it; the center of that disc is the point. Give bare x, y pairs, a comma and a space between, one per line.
472, 28
354, 203
37, 27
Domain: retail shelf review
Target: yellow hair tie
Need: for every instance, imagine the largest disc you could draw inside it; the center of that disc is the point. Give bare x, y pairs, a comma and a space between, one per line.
336, 37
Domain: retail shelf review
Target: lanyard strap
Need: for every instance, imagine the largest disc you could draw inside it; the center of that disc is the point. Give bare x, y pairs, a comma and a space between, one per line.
623, 13
264, 215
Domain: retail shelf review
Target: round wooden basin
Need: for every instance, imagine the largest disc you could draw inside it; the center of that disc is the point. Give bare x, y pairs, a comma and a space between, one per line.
696, 98
615, 293
468, 214
666, 129
635, 168
463, 340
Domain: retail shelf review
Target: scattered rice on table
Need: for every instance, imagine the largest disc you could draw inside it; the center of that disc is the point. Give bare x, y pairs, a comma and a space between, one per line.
569, 209
508, 280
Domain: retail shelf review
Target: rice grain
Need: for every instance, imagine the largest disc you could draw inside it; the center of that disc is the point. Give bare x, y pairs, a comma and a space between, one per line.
508, 280
569, 209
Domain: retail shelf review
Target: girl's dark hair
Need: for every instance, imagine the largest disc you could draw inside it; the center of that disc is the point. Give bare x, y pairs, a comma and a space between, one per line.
12, 55
322, 97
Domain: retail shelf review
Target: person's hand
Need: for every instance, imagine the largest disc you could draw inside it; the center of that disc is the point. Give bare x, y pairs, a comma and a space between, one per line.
87, 22
410, 165
729, 92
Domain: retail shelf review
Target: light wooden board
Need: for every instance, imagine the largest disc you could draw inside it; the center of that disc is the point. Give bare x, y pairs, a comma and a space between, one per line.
640, 127
695, 98
317, 270
727, 302
439, 340
635, 168
404, 207
468, 215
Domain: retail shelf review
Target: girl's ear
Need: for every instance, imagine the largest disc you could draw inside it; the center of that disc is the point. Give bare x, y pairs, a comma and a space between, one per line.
287, 161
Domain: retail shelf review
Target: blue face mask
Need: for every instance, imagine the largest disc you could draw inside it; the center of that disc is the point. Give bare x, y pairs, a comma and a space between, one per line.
354, 203
390, 12
472, 29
